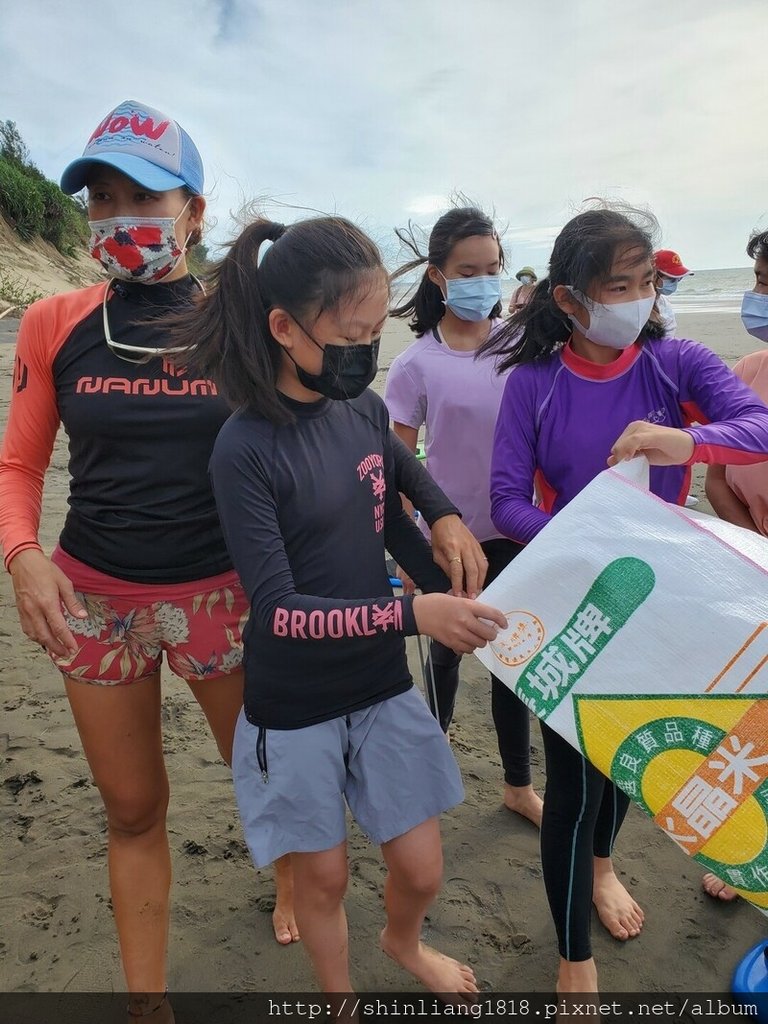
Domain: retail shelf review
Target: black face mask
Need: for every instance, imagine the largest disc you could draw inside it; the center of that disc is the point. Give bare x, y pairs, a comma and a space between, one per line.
347, 369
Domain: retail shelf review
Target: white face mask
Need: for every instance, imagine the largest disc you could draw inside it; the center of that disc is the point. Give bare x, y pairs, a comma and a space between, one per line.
617, 325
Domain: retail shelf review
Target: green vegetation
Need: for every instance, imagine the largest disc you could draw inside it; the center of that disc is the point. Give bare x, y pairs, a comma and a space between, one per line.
34, 205
198, 260
17, 294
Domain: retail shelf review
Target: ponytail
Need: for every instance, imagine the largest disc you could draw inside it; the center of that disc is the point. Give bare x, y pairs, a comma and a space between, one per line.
534, 332
227, 337
425, 306
310, 268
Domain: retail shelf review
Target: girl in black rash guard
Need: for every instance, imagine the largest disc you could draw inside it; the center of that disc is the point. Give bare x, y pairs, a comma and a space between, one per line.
303, 477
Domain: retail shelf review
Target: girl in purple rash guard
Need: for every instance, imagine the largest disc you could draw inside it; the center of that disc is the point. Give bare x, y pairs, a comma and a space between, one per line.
438, 382
588, 389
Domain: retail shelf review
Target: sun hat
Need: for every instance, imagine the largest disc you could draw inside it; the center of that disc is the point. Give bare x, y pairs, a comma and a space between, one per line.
148, 146
526, 270
670, 264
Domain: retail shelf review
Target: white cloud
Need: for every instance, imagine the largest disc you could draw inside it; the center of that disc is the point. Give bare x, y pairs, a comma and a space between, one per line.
426, 206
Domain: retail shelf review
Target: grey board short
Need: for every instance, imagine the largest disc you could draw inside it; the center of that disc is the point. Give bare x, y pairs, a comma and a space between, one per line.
391, 763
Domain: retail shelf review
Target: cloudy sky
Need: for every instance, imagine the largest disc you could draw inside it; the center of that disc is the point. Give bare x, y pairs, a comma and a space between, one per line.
380, 109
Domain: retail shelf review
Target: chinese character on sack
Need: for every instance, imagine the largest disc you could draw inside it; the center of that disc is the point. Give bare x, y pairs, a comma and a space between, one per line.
672, 733
736, 876
580, 646
647, 740
704, 807
670, 830
629, 762
552, 672
590, 624
702, 738
738, 763
523, 633
759, 874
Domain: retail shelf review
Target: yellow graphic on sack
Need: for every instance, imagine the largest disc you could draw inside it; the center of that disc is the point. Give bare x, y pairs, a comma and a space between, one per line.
698, 765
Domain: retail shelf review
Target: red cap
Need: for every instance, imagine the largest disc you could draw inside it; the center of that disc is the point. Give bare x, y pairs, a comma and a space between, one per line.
669, 263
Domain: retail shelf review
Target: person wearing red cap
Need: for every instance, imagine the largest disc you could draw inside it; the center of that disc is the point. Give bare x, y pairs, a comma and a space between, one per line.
141, 570
669, 273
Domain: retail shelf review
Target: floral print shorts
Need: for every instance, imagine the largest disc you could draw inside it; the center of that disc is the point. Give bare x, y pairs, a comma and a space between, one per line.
123, 641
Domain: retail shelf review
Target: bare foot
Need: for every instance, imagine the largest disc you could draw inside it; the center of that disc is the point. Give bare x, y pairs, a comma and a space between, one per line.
524, 800
577, 976
718, 889
150, 1009
283, 920
436, 971
615, 907
284, 924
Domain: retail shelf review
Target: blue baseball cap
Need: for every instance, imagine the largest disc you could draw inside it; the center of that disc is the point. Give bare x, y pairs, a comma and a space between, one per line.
146, 145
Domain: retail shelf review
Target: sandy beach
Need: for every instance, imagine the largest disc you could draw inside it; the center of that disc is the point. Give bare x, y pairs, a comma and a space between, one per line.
58, 934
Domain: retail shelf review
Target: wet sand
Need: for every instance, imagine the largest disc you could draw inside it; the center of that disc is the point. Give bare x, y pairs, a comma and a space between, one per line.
58, 933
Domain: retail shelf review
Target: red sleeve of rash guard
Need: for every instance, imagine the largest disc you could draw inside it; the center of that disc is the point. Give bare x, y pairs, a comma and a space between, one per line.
34, 414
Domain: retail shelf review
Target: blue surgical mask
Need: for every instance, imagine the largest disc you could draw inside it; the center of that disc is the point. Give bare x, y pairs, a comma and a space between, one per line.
754, 314
668, 285
472, 298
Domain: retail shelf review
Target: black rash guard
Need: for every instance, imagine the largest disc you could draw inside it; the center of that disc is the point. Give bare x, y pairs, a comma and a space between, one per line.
307, 510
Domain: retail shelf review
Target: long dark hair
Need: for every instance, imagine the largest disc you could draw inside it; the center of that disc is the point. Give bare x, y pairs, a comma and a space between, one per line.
426, 307
309, 269
582, 255
757, 246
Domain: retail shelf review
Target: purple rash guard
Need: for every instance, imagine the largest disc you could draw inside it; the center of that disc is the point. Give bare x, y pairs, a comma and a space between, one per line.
559, 419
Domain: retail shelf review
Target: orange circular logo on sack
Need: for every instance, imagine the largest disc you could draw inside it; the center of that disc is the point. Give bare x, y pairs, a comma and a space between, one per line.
520, 641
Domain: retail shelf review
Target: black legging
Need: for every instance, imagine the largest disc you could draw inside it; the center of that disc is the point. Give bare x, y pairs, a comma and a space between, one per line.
510, 715
583, 812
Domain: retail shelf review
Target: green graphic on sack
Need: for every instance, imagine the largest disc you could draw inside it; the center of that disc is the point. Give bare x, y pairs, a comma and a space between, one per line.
617, 592
707, 807
657, 737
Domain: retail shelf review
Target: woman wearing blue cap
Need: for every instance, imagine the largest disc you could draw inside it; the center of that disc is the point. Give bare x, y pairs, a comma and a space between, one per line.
141, 568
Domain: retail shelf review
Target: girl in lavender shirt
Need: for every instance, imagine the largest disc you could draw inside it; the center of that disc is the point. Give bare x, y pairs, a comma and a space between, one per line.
438, 381
587, 373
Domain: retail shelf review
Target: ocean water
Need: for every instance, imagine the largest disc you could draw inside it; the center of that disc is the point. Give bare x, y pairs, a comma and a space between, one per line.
714, 291
705, 291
